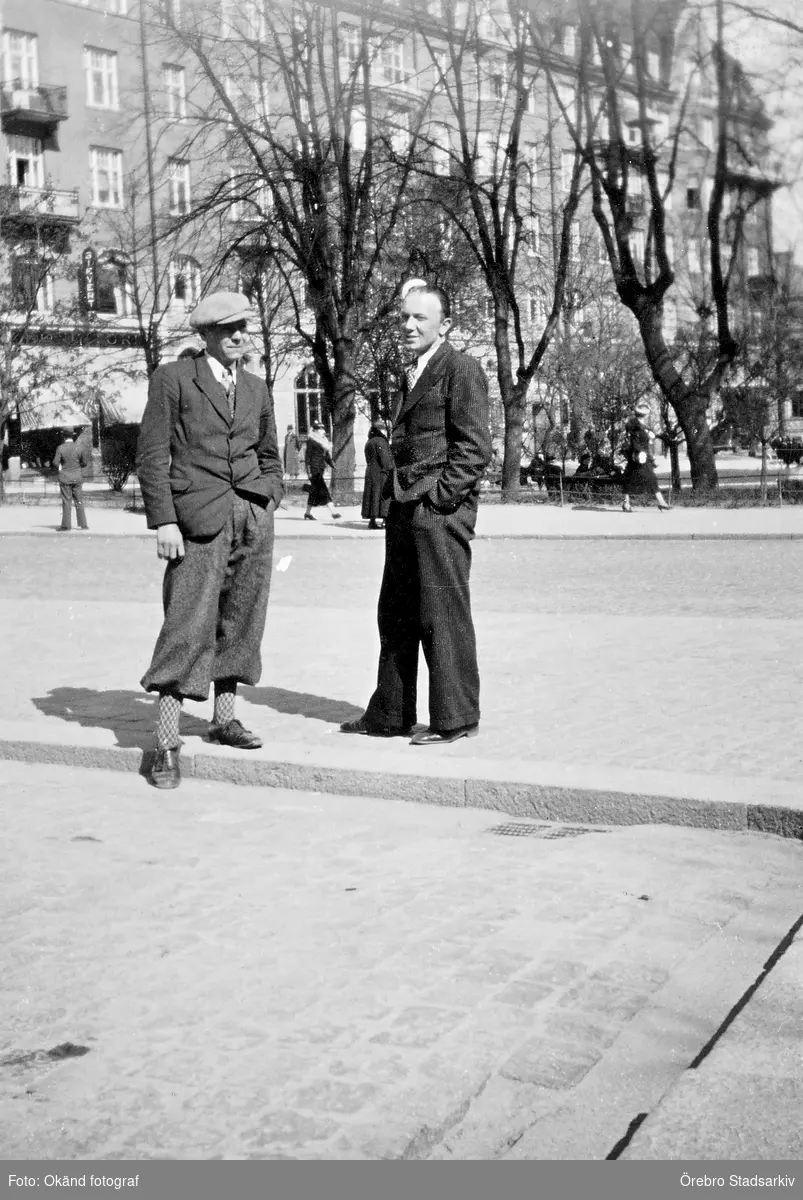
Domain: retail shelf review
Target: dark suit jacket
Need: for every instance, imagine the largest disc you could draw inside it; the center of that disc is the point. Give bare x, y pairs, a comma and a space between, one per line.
441, 443
70, 458
191, 456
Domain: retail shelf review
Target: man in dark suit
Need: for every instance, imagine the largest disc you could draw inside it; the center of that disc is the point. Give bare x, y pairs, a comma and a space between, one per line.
441, 445
211, 476
70, 459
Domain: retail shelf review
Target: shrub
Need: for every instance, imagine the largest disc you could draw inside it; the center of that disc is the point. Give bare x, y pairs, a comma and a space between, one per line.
120, 455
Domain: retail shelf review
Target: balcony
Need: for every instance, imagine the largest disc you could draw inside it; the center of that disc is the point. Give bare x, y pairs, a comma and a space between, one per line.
39, 206
35, 109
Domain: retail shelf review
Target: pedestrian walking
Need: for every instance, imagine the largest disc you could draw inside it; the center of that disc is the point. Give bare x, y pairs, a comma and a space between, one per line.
378, 473
441, 445
70, 459
211, 477
292, 448
639, 476
317, 457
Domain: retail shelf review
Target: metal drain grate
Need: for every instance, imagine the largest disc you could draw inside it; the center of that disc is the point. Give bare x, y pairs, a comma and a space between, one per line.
520, 829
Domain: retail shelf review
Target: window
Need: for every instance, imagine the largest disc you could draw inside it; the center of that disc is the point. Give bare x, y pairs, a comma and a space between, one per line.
670, 321
653, 64
309, 402
441, 149
707, 132
350, 44
626, 55
532, 99
494, 80
170, 11
20, 59
569, 41
637, 247
179, 181
796, 405
533, 236
694, 260
25, 161
391, 60
567, 98
488, 308
176, 90
692, 197
535, 310
358, 131
242, 19
566, 169
531, 152
116, 8
753, 267
101, 78
31, 284
400, 131
107, 177
574, 242
486, 154
114, 287
184, 280
670, 249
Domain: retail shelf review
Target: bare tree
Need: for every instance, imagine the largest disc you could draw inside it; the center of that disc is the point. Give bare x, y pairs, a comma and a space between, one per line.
484, 161
334, 155
633, 141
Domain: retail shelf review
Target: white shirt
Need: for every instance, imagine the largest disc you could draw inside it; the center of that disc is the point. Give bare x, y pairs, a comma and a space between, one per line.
418, 371
222, 374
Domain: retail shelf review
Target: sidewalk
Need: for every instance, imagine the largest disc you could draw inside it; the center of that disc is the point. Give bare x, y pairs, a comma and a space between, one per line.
494, 521
258, 973
562, 738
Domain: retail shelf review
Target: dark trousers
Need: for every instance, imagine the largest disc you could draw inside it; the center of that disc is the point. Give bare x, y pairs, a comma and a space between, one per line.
424, 601
215, 603
72, 493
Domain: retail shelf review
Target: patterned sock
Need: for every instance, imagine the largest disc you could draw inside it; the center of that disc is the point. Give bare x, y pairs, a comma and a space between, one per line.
225, 694
167, 723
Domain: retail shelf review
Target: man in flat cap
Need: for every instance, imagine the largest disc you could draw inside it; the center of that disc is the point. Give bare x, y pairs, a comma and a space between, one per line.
211, 476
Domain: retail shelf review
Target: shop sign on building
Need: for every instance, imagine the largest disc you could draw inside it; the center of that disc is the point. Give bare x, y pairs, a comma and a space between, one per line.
88, 281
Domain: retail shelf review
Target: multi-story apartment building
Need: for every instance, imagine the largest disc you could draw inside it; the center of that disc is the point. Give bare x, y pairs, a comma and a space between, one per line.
113, 137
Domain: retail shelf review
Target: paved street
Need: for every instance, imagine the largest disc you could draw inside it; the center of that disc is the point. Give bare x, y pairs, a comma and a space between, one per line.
261, 973
672, 659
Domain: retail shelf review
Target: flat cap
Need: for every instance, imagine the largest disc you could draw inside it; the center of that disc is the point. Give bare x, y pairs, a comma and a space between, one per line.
221, 308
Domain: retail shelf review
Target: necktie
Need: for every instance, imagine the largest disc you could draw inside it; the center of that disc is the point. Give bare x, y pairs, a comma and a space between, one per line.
410, 374
228, 384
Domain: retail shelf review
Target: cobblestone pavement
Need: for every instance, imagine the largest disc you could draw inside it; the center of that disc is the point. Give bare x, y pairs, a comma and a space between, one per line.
675, 657
260, 973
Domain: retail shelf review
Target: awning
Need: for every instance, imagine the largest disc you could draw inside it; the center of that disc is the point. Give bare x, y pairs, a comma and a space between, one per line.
51, 411
120, 381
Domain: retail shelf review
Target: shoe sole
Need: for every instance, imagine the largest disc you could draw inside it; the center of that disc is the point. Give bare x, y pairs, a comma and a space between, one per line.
469, 733
164, 785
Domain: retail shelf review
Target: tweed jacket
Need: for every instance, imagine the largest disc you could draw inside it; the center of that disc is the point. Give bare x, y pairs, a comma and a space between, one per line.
192, 457
441, 442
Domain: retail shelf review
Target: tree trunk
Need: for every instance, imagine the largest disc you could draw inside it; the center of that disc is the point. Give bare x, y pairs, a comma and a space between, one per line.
689, 406
511, 463
674, 467
343, 413
764, 472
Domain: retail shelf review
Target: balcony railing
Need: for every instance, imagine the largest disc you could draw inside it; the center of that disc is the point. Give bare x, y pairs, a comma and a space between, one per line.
39, 105
39, 204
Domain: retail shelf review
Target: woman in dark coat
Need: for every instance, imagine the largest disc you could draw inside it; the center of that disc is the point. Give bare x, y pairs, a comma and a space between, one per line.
317, 457
379, 465
639, 476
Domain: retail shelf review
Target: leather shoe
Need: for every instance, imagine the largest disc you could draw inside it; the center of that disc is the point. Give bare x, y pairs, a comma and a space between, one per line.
165, 771
234, 734
441, 737
360, 725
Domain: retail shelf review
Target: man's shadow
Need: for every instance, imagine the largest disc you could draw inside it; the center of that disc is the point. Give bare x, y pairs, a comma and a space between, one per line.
131, 716
302, 704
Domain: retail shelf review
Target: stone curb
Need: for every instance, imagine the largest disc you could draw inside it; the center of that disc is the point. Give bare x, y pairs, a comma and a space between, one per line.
515, 798
358, 536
